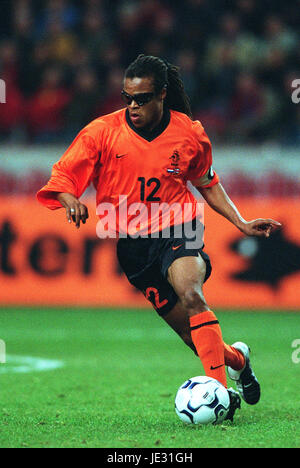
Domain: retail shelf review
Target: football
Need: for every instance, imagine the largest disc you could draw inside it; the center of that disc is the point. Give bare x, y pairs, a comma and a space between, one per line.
202, 400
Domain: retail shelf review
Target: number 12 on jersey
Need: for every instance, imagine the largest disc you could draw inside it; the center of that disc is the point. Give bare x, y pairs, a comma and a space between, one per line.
150, 195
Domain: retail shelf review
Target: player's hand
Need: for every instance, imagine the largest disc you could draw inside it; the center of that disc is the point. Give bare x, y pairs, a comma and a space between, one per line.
76, 212
260, 227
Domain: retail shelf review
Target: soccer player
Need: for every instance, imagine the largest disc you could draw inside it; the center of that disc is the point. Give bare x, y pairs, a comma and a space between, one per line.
147, 153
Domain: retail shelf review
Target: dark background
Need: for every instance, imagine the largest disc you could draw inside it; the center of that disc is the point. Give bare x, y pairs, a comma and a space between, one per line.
63, 63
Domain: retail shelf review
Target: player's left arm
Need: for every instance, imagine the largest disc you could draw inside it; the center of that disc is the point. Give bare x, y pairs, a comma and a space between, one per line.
205, 179
218, 200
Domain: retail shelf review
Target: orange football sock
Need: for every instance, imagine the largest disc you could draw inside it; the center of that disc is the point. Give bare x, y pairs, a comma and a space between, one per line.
233, 357
207, 338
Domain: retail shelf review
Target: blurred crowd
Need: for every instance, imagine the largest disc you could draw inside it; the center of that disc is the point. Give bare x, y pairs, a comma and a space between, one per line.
63, 63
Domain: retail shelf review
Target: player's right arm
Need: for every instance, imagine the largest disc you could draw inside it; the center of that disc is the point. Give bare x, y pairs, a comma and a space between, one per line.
75, 210
70, 177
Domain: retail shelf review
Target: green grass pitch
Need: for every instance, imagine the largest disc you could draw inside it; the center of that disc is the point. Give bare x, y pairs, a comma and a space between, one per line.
121, 370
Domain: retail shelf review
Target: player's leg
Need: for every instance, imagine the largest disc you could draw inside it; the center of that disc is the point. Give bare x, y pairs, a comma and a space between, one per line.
186, 275
178, 319
196, 324
200, 330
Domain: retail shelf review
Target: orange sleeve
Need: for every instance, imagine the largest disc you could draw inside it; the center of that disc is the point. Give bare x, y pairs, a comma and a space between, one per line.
73, 172
200, 172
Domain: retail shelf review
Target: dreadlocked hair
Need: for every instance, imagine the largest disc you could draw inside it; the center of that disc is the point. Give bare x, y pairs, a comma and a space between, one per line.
164, 75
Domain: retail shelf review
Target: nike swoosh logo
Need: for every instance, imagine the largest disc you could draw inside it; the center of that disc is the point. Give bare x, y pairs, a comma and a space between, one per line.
211, 173
247, 386
177, 247
120, 155
217, 367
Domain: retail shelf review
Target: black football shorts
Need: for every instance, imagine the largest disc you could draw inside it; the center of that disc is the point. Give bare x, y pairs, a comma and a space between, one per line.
145, 261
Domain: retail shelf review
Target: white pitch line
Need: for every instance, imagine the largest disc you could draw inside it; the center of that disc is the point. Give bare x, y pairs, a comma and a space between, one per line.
25, 364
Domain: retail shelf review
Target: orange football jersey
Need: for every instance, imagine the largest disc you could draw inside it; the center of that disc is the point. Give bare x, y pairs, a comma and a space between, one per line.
140, 180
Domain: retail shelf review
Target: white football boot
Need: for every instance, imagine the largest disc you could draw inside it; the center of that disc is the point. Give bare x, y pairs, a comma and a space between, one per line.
246, 382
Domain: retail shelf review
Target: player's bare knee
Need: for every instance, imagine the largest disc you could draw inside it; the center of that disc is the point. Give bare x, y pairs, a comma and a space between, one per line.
193, 300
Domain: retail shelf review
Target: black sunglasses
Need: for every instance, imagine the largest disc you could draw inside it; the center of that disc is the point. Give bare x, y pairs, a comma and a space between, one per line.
140, 98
